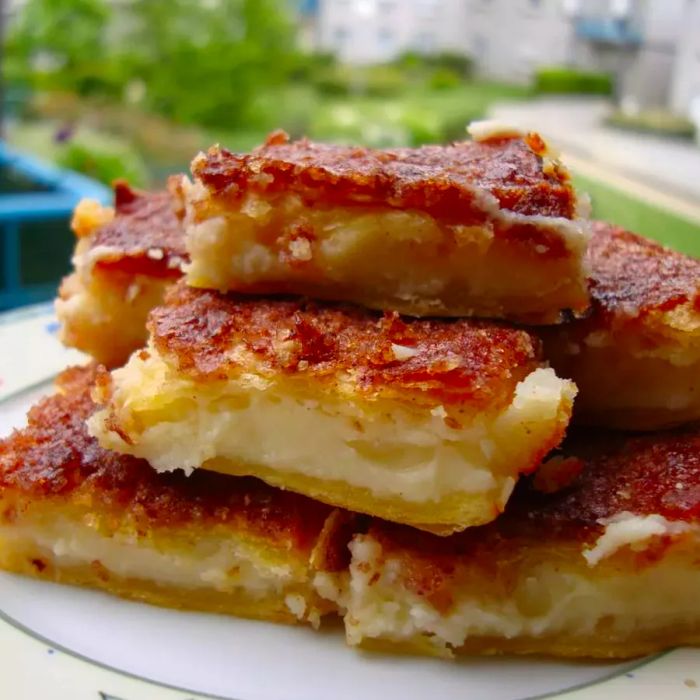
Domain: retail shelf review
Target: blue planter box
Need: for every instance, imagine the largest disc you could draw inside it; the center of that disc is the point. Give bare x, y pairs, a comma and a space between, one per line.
36, 203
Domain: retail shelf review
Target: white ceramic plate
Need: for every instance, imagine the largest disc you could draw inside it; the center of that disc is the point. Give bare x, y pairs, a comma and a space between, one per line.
63, 643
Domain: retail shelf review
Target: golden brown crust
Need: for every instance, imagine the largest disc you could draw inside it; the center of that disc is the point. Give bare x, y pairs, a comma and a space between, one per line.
644, 475
632, 276
54, 458
145, 236
451, 361
609, 474
635, 356
444, 181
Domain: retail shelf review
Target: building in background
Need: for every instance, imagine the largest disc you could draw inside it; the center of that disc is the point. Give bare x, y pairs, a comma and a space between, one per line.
652, 47
635, 40
510, 40
307, 14
685, 87
373, 31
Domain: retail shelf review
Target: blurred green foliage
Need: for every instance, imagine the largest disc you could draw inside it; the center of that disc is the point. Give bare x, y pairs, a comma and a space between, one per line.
418, 115
457, 63
556, 79
444, 79
415, 116
140, 86
95, 153
435, 71
377, 81
655, 121
196, 62
61, 44
103, 162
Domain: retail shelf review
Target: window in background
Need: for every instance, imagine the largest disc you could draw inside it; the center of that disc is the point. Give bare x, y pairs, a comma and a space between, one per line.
365, 8
620, 9
425, 42
428, 7
571, 7
386, 39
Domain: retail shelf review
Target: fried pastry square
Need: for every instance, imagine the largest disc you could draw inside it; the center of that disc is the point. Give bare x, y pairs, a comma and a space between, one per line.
125, 259
419, 421
487, 228
636, 358
597, 556
74, 513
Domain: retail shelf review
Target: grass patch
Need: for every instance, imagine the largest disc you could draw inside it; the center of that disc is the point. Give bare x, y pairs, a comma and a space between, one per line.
658, 122
564, 80
417, 116
622, 209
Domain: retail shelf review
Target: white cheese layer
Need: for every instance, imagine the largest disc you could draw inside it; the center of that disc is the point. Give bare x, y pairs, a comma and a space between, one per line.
548, 599
220, 564
629, 530
385, 447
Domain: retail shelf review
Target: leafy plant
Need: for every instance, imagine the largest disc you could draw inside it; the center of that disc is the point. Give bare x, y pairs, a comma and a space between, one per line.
61, 43
103, 162
375, 81
569, 80
198, 62
444, 79
415, 62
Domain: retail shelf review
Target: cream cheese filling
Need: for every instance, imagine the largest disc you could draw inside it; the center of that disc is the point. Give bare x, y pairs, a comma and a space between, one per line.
628, 530
548, 599
388, 448
221, 563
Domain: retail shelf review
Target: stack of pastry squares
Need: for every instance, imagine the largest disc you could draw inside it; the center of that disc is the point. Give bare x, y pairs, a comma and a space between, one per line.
333, 381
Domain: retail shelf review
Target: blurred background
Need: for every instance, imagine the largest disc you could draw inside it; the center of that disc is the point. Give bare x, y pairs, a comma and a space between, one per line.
93, 90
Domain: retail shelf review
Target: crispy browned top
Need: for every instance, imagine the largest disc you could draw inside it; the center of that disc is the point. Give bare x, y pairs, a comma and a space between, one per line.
453, 361
657, 473
632, 276
604, 475
447, 181
55, 458
145, 235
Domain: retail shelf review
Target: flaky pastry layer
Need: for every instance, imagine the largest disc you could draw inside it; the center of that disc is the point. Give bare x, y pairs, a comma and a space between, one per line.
125, 259
485, 228
74, 513
377, 457
104, 312
424, 422
636, 357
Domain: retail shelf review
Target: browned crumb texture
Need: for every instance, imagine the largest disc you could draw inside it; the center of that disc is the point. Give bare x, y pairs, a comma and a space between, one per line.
54, 458
596, 476
450, 360
441, 180
145, 236
632, 276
